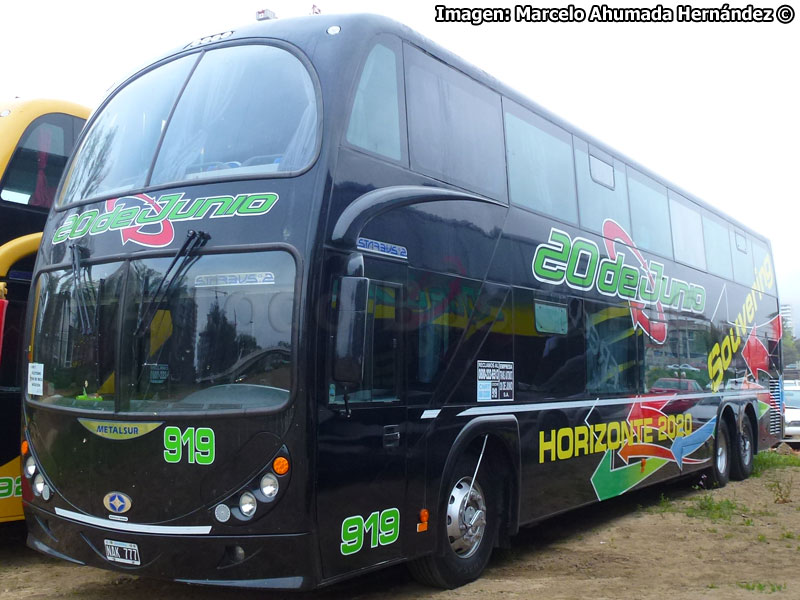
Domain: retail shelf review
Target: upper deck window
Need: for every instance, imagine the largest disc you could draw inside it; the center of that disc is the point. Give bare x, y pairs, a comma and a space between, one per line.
245, 111
455, 126
649, 213
541, 172
602, 190
376, 120
687, 231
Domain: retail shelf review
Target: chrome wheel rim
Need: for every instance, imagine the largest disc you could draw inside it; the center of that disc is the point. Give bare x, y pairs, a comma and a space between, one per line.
722, 454
747, 448
466, 518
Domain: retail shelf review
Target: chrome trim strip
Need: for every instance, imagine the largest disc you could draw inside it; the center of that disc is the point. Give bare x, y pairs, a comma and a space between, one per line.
134, 527
431, 414
517, 408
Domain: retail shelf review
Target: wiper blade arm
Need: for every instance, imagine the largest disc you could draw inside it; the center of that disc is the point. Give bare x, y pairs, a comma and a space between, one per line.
77, 287
194, 239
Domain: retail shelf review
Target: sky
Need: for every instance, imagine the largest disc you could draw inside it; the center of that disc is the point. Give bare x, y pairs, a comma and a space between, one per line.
713, 107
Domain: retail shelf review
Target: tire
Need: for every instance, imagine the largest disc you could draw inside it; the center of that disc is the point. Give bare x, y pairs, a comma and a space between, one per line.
721, 461
464, 551
743, 451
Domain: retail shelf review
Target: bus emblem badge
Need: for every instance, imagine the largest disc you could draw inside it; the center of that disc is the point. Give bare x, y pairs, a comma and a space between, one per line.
117, 502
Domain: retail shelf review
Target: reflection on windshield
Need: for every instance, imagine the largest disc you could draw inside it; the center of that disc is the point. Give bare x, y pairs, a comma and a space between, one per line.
220, 339
78, 363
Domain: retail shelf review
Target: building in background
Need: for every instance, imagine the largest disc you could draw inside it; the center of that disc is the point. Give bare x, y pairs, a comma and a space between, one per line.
786, 317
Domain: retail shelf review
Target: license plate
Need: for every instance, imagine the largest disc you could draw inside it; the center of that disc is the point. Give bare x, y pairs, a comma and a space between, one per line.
122, 552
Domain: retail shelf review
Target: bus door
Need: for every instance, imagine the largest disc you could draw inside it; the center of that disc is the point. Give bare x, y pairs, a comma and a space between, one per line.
361, 464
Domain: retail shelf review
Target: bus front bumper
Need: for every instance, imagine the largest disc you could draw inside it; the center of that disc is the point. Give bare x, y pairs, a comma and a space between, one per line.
284, 561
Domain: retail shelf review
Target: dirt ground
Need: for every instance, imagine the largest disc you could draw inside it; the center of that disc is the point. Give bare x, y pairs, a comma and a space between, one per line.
665, 542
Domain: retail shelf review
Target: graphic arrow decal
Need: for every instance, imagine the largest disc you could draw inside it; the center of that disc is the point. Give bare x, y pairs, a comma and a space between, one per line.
609, 482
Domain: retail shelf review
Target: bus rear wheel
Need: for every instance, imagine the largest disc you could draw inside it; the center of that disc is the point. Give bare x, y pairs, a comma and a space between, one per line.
471, 518
742, 464
721, 461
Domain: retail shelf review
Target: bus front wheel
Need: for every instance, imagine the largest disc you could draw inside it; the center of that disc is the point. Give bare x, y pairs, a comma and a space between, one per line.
471, 518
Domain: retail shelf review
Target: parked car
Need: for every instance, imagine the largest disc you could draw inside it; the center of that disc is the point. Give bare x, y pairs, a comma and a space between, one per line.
673, 385
791, 411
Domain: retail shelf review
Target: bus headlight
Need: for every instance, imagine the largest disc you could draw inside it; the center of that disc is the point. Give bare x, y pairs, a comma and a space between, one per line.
38, 484
269, 486
30, 467
247, 504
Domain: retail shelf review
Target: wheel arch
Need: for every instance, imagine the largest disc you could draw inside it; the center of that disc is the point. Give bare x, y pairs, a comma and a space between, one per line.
503, 445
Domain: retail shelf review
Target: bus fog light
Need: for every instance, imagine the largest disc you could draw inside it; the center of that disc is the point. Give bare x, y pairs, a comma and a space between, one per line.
46, 492
30, 467
269, 486
222, 513
38, 484
247, 504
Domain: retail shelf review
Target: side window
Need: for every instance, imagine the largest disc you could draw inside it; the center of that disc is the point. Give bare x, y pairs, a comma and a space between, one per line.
602, 190
36, 166
611, 350
687, 232
549, 345
718, 247
383, 341
679, 365
377, 120
649, 214
760, 253
742, 251
541, 170
455, 126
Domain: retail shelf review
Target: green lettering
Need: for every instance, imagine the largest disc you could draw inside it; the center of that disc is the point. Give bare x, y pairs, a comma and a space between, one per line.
550, 260
258, 204
629, 279
581, 247
608, 276
62, 233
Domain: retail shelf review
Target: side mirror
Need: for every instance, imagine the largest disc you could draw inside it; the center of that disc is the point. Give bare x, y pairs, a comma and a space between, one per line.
351, 330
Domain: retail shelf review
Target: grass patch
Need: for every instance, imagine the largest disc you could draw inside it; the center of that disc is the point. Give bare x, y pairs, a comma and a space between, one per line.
765, 587
716, 510
764, 461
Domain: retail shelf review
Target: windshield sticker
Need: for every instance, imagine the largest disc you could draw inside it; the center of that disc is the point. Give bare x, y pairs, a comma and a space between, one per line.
148, 222
495, 381
226, 279
119, 430
577, 263
382, 248
35, 379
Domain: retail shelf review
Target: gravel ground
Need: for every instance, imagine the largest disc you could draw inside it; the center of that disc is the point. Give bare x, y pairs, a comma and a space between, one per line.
664, 542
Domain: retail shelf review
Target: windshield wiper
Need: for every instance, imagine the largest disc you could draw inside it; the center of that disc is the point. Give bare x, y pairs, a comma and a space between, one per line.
194, 240
77, 287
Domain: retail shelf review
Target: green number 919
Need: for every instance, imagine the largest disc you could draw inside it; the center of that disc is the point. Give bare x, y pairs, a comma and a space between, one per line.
199, 445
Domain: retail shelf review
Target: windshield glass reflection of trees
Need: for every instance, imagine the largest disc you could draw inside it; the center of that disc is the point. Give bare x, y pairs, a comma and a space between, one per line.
78, 360
219, 340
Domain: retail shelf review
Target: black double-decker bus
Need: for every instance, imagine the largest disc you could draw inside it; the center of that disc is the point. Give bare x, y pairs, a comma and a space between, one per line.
318, 297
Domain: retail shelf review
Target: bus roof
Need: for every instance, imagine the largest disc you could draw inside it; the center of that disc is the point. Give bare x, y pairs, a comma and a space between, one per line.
304, 31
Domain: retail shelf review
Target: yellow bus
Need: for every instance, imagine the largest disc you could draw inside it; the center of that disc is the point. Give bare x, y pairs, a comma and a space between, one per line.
36, 137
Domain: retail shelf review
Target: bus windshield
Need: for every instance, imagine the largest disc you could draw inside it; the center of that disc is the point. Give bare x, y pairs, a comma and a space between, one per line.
218, 339
175, 123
